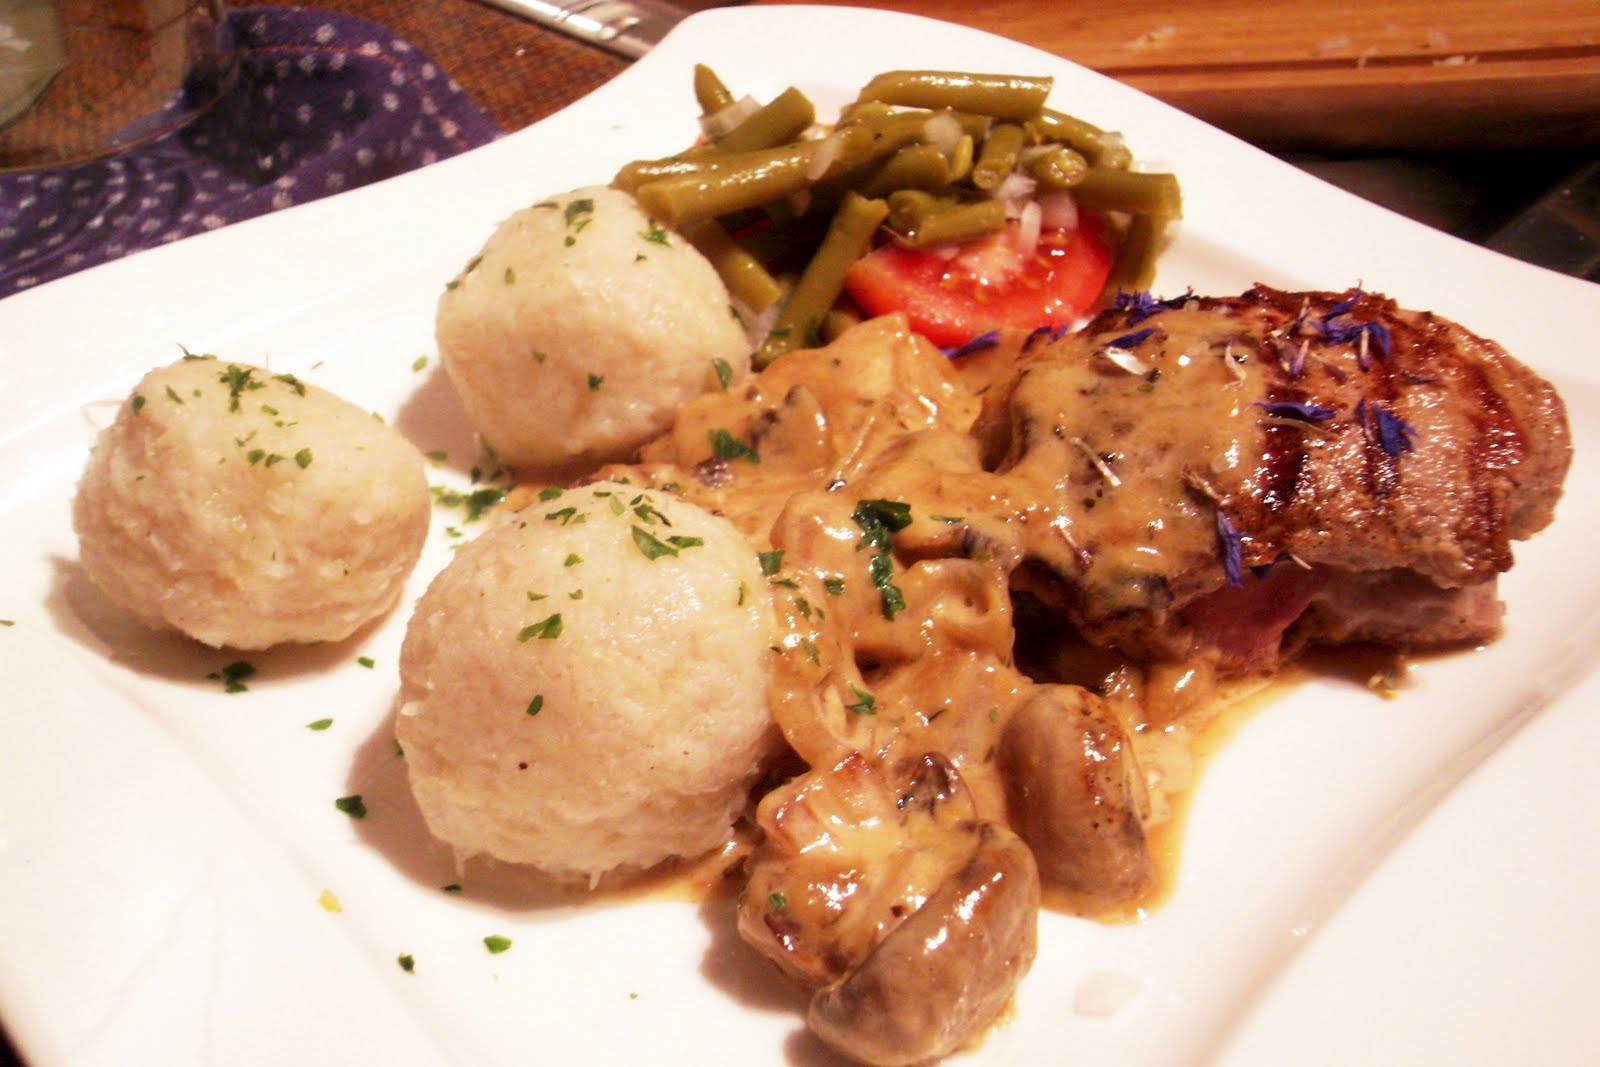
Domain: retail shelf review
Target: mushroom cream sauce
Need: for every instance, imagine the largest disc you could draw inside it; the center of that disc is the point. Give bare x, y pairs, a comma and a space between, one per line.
906, 641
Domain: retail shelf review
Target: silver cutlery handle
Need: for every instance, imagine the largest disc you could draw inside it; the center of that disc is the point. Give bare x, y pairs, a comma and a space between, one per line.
627, 27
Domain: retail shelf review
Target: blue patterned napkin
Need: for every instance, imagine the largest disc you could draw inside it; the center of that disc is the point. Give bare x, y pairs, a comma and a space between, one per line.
324, 103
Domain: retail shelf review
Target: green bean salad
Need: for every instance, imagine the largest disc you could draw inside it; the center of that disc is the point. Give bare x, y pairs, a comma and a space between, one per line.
931, 161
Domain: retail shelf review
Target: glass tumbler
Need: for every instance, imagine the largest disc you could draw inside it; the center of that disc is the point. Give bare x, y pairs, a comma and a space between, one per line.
83, 79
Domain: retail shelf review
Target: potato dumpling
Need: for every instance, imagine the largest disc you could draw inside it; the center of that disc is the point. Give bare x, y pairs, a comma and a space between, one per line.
584, 685
579, 330
249, 509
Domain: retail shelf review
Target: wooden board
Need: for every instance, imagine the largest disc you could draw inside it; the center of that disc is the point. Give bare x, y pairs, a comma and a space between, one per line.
1357, 75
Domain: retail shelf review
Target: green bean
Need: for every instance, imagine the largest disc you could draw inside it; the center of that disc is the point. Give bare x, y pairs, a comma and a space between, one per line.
1056, 168
837, 322
848, 238
636, 173
1110, 189
916, 166
961, 159
720, 185
747, 280
784, 118
1004, 96
1135, 265
709, 91
1100, 148
904, 127
997, 159
921, 219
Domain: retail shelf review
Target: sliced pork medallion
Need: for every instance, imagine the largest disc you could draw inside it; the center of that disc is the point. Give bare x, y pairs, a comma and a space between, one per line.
1243, 475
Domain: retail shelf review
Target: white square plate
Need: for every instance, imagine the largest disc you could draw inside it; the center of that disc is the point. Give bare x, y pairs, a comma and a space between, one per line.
164, 845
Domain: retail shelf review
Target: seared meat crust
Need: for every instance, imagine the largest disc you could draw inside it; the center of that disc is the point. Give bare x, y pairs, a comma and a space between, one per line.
1196, 442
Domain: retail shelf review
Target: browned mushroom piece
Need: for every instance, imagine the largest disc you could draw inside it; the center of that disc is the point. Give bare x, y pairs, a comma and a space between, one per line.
1076, 796
944, 976
881, 889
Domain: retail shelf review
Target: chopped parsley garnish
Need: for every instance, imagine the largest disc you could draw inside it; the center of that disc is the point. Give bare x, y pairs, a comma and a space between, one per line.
572, 560
172, 395
352, 806
546, 629
303, 458
319, 725
496, 944
866, 703
834, 586
237, 379
550, 492
726, 446
137, 403
777, 901
651, 545
579, 213
724, 372
881, 570
419, 363
407, 963
233, 675
475, 503
536, 705
594, 381
879, 520
366, 661
510, 276
654, 233
770, 561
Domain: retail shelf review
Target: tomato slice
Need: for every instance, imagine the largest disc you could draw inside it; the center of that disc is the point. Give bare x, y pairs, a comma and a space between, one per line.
989, 283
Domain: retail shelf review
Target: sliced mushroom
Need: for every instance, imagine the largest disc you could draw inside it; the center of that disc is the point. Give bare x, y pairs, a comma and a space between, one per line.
880, 888
846, 855
944, 976
1075, 795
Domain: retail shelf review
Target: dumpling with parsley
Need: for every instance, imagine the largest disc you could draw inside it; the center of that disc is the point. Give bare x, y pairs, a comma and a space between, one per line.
580, 328
249, 509
584, 685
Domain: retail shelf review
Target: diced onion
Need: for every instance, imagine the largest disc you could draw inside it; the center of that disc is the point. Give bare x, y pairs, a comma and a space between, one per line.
721, 121
1015, 191
1028, 224
1126, 360
1059, 211
826, 152
944, 132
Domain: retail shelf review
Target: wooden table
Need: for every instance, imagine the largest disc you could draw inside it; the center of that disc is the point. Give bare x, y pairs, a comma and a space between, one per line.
1365, 75
1390, 75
